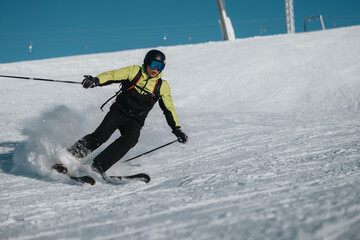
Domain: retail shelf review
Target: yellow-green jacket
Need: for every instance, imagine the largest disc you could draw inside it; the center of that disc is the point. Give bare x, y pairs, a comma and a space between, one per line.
138, 101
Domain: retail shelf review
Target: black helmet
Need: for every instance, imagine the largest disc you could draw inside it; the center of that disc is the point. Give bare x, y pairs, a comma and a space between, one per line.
154, 55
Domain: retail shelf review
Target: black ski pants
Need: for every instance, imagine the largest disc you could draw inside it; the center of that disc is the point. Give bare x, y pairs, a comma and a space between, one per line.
130, 132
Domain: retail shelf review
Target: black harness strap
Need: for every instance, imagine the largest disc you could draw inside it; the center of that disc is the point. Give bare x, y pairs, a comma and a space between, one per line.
156, 91
133, 82
102, 106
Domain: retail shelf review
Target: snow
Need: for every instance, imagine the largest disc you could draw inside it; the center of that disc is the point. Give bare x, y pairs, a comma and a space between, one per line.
274, 150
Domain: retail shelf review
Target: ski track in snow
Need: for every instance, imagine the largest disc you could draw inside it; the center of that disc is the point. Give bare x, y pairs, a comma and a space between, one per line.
262, 174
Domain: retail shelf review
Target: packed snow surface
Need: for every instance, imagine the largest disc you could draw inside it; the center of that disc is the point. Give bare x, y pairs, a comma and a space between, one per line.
274, 150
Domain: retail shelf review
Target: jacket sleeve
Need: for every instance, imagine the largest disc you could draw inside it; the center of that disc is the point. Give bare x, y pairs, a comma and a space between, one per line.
167, 106
117, 76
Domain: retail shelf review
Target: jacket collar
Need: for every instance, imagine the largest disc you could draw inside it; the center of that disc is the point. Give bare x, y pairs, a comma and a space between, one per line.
146, 75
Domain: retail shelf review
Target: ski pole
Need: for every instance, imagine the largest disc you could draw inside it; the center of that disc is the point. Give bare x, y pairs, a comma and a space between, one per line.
40, 79
151, 150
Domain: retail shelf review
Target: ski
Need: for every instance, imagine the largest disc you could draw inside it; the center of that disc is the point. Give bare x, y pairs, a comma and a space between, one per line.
140, 176
61, 168
143, 177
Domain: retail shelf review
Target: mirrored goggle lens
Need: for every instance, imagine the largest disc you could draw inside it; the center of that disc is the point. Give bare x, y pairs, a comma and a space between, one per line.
157, 65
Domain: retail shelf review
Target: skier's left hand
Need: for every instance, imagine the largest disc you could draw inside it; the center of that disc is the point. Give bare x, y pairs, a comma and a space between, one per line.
90, 82
181, 136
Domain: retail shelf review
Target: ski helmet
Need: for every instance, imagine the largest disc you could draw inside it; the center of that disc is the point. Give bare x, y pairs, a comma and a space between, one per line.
154, 55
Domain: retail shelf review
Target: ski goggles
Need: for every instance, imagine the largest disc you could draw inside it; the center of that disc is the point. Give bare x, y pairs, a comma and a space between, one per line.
157, 65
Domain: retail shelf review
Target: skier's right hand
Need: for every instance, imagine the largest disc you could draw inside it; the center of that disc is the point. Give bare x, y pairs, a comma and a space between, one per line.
90, 82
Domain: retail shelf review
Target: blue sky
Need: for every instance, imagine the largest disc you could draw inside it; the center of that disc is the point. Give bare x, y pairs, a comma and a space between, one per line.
72, 27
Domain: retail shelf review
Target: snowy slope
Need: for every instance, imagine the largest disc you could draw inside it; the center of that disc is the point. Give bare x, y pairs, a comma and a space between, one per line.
274, 133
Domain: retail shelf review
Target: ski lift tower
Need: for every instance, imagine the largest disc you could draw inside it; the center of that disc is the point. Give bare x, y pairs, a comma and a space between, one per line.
225, 22
289, 11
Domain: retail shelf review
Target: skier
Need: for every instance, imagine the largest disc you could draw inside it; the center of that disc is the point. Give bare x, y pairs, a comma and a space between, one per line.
141, 88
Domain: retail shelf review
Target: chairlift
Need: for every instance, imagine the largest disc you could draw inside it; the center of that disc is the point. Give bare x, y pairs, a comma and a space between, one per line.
317, 17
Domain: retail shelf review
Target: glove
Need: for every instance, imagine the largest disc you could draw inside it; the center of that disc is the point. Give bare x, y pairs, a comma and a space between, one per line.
181, 136
90, 82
